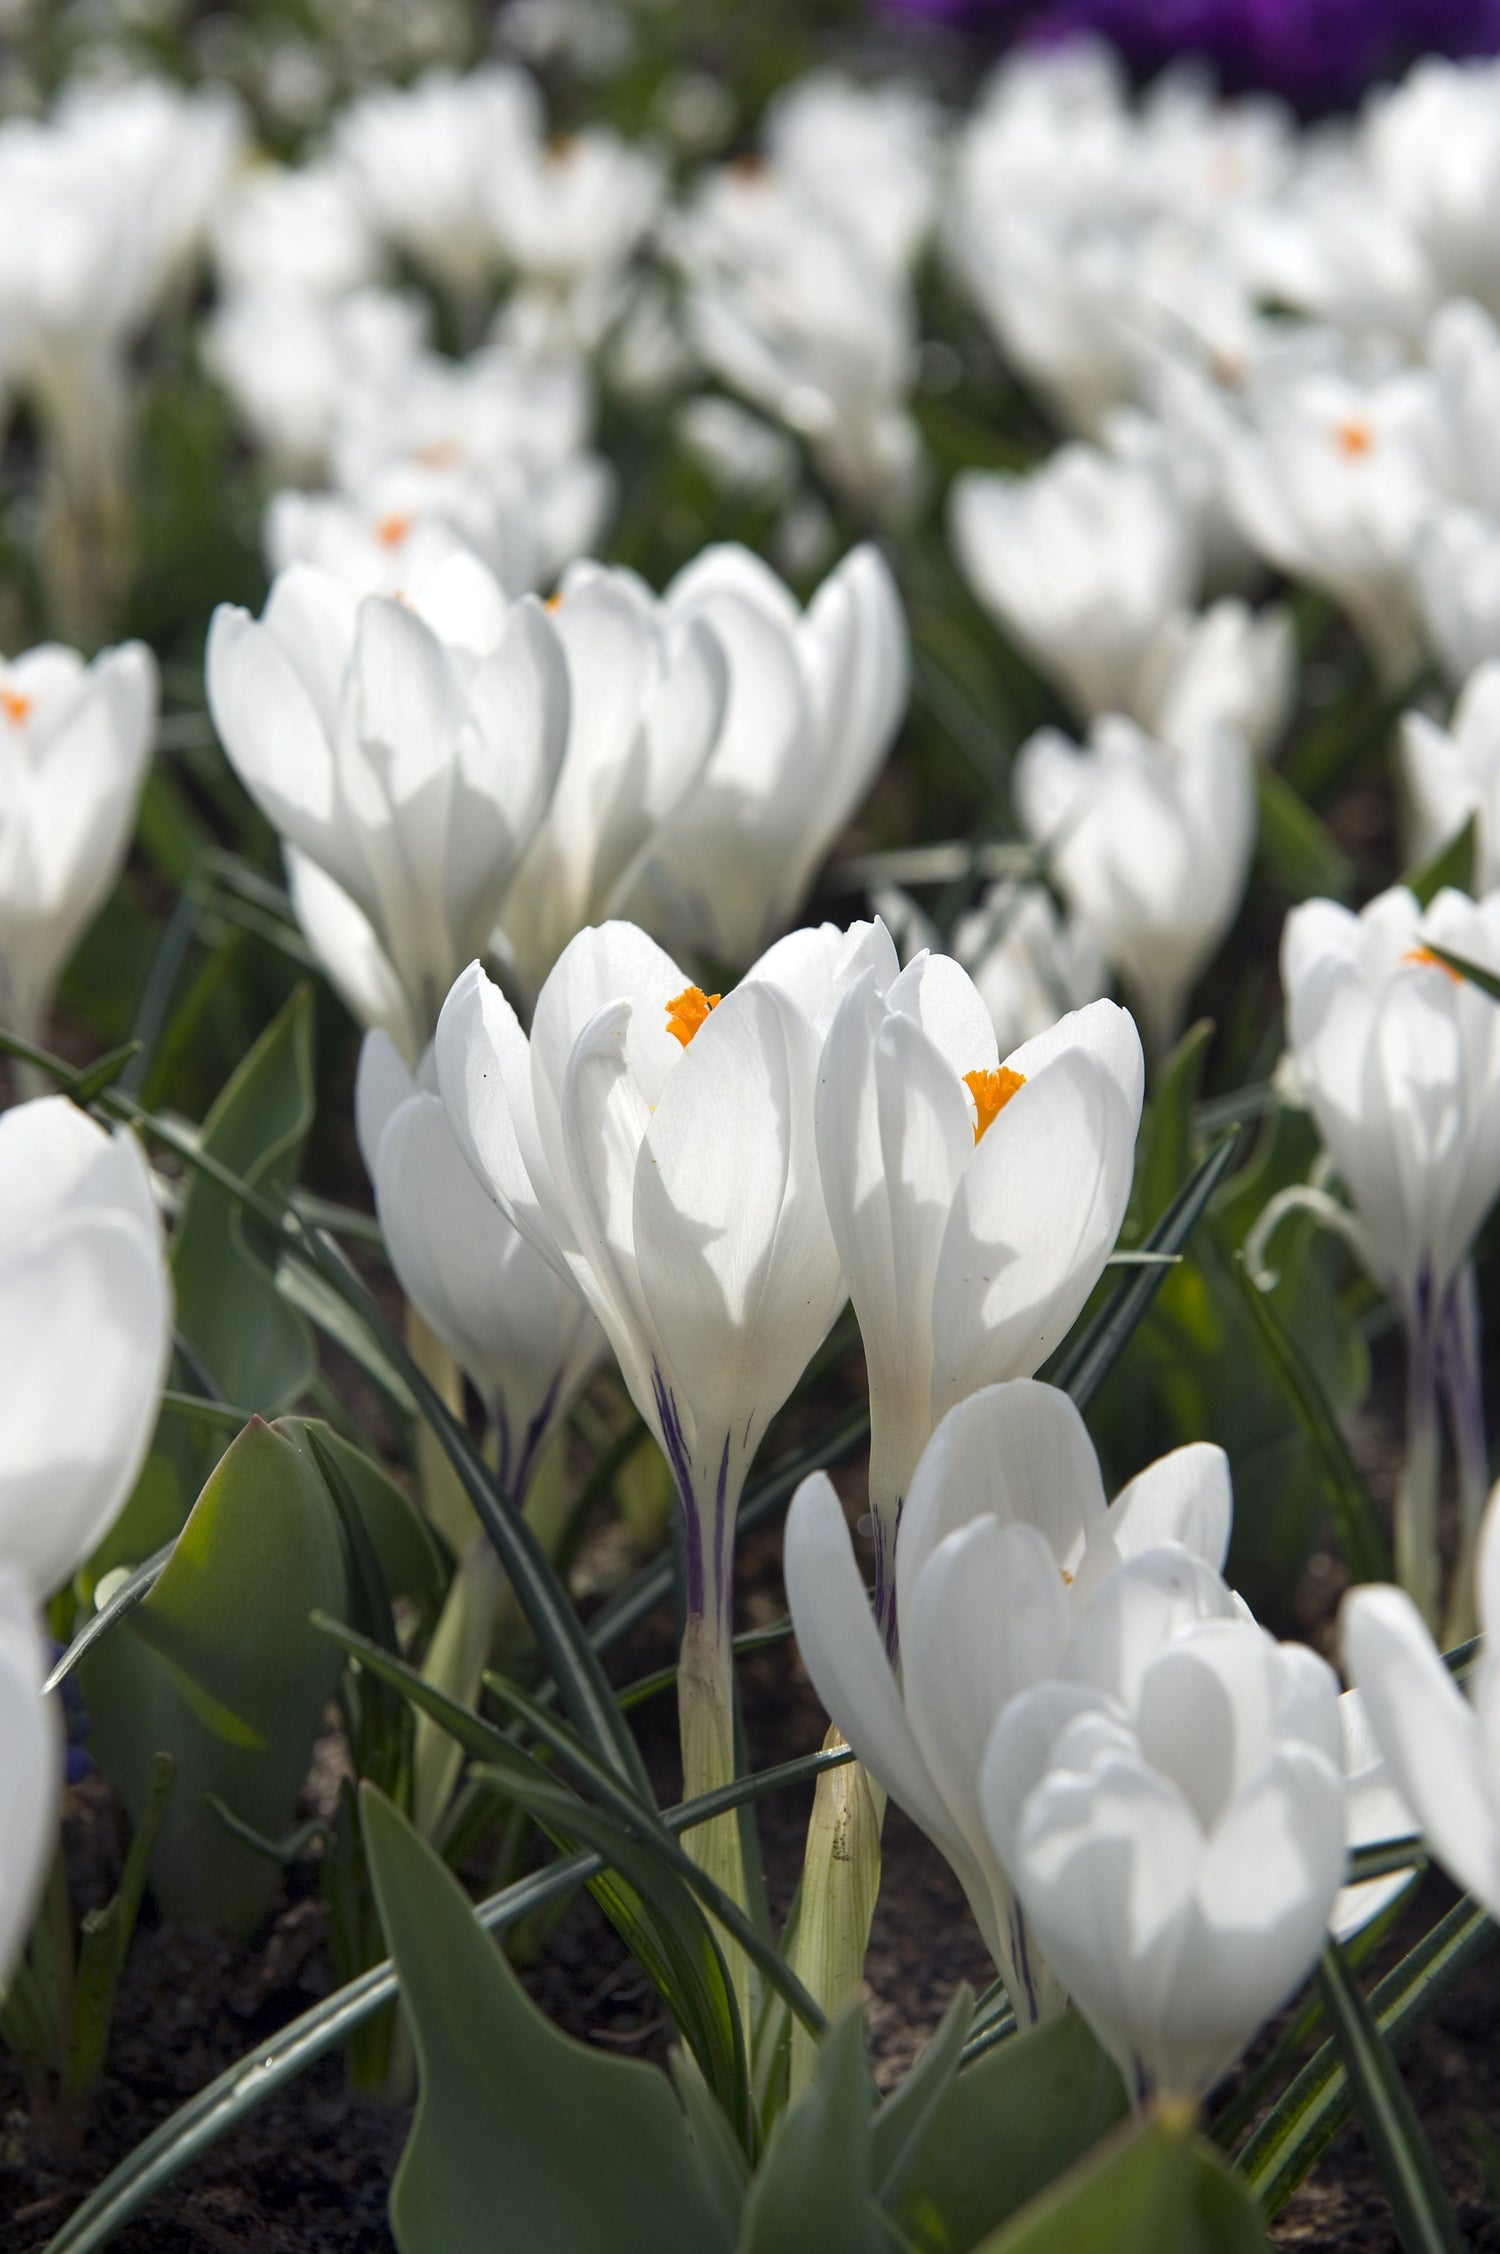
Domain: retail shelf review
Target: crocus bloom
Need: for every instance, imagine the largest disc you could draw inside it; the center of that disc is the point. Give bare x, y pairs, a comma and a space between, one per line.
656, 1144
30, 1768
75, 737
815, 698
1226, 667
1442, 1748
1082, 561
406, 748
301, 228
85, 1334
1400, 1062
1172, 1819
1011, 1569
648, 688
398, 529
974, 1202
1029, 964
1150, 845
868, 155
523, 1337
1454, 772
288, 360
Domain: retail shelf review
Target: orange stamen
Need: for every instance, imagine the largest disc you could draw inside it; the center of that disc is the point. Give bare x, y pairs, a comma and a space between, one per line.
391, 531
16, 706
992, 1091
1354, 438
687, 1012
555, 602
439, 454
1430, 961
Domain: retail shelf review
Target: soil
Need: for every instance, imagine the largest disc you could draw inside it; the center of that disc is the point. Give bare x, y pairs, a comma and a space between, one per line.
308, 2172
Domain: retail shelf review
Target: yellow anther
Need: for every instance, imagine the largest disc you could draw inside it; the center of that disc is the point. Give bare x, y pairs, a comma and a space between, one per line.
686, 1013
1430, 961
16, 706
392, 530
992, 1091
555, 603
1354, 437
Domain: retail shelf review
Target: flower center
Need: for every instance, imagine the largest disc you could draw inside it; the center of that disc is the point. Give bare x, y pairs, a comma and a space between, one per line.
16, 706
991, 1091
1430, 961
439, 454
687, 1012
392, 530
1354, 438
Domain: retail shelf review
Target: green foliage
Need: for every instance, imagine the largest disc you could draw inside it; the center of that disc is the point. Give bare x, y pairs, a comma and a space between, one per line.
523, 2137
814, 2189
220, 1667
1156, 2187
1454, 864
252, 1344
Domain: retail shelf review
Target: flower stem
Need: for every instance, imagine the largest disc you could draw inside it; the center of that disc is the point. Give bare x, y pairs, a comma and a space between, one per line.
1463, 1393
1417, 1566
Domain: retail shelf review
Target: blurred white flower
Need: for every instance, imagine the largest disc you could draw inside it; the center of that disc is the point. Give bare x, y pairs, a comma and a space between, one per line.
1433, 148
867, 155
1453, 772
422, 158
570, 214
1008, 1567
1456, 571
299, 228
75, 739
1030, 965
815, 699
289, 360
1082, 561
85, 1335
648, 689
1228, 667
409, 748
522, 1336
404, 522
1150, 845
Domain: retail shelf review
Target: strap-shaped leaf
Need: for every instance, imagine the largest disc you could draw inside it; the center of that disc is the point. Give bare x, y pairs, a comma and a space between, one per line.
234, 2094
1155, 2186
1392, 2130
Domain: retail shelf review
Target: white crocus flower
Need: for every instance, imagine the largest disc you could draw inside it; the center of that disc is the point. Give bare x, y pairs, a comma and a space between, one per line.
794, 312
31, 1761
522, 1335
288, 361
422, 158
815, 698
1150, 845
1454, 772
1329, 480
1011, 1569
85, 1334
1433, 148
1226, 667
1441, 1747
1456, 573
1172, 1819
570, 214
868, 155
656, 1144
1030, 965
402, 525
1082, 562
408, 748
648, 688
296, 228
974, 1202
1399, 1060
75, 737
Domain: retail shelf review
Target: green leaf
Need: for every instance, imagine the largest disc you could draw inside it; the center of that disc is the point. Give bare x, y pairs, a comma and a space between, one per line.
1159, 2188
812, 2192
523, 2137
1453, 865
902, 2124
219, 1666
1166, 1153
1392, 2130
410, 1556
1006, 2128
233, 2095
105, 1939
1084, 1364
1361, 1536
256, 1347
1307, 2117
1296, 849
1475, 973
